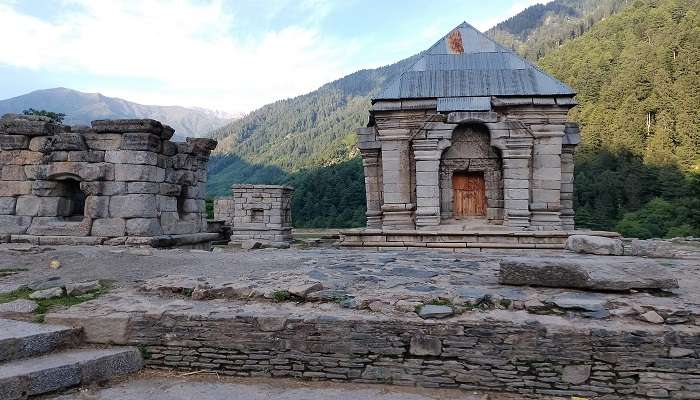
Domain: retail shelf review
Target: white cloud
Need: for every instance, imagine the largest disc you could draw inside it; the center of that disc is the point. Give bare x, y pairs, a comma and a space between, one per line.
515, 8
185, 46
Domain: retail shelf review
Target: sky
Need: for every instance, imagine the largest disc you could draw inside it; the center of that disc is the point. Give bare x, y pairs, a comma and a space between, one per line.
227, 55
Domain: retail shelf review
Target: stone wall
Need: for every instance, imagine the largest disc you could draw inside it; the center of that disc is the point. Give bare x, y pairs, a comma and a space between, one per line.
116, 182
540, 355
259, 212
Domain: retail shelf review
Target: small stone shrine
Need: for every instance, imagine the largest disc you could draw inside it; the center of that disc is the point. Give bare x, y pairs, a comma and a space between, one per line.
470, 138
261, 212
116, 182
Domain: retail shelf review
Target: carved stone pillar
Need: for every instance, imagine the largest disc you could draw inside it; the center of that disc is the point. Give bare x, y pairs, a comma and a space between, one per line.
396, 181
516, 183
545, 204
567, 187
370, 149
371, 161
427, 155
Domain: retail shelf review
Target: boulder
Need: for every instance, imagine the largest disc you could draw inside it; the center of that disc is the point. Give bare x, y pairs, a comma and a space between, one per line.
433, 311
425, 346
576, 374
652, 248
597, 274
652, 317
76, 289
47, 293
595, 245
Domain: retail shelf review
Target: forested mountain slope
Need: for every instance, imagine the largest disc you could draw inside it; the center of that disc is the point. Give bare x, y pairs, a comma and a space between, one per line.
638, 80
544, 27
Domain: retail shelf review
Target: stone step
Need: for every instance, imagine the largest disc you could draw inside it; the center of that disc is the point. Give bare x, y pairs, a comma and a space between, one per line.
56, 371
20, 339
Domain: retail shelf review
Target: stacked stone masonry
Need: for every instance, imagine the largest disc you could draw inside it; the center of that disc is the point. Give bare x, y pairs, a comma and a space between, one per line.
604, 361
116, 182
257, 212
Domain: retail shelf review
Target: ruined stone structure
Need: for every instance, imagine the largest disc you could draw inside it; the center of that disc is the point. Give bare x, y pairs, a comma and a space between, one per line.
117, 182
470, 136
257, 212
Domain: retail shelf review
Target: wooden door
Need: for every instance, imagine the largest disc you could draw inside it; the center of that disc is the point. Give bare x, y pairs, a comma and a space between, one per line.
469, 194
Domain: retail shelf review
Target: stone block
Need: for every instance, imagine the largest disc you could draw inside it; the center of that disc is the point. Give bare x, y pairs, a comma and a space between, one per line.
143, 227
516, 194
13, 224
180, 177
15, 188
425, 346
595, 245
38, 143
127, 125
12, 173
195, 192
20, 157
546, 195
29, 125
143, 187
42, 206
601, 274
57, 226
97, 206
103, 188
166, 203
131, 157
140, 141
91, 156
133, 206
13, 142
65, 141
132, 172
428, 191
106, 142
110, 227
652, 248
169, 189
169, 148
547, 173
86, 171
7, 205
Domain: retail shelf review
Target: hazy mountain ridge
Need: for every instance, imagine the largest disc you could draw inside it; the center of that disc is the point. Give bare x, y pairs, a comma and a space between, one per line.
81, 108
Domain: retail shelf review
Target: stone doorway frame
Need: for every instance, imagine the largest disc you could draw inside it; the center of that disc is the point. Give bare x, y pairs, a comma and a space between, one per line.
515, 142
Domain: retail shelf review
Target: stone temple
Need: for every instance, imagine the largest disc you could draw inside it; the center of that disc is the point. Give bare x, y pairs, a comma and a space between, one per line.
116, 182
470, 138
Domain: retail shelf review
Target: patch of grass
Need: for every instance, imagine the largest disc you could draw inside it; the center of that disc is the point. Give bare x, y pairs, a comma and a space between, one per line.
10, 271
281, 295
22, 293
187, 292
45, 305
440, 302
143, 349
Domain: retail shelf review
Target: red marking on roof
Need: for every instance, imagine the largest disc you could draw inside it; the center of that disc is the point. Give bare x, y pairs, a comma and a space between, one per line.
454, 42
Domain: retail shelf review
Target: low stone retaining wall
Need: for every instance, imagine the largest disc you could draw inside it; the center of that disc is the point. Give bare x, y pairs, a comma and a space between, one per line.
504, 351
459, 240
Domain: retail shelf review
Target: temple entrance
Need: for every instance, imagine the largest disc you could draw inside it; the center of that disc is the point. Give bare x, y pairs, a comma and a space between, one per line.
469, 194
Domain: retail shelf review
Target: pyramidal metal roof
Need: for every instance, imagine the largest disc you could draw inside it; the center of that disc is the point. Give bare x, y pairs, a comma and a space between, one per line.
467, 63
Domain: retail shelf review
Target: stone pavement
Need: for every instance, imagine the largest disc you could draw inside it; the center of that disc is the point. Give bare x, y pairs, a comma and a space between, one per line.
384, 282
154, 386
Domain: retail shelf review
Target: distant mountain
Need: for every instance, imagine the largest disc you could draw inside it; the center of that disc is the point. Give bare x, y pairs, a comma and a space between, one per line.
81, 108
318, 128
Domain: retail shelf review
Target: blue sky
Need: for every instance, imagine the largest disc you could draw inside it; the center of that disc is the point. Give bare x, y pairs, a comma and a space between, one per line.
234, 55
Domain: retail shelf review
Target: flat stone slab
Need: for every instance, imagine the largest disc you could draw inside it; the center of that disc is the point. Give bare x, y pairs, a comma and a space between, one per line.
18, 309
20, 339
56, 371
604, 275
